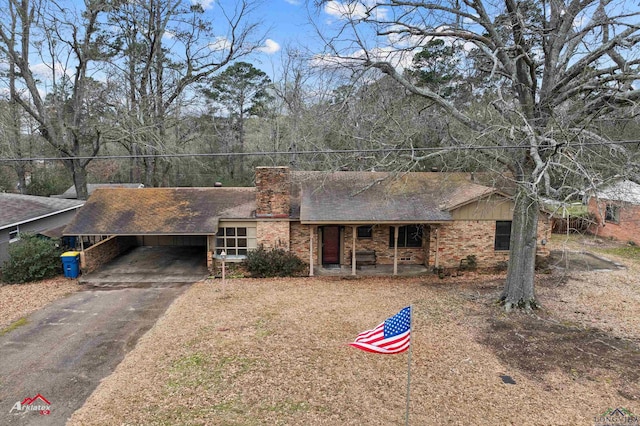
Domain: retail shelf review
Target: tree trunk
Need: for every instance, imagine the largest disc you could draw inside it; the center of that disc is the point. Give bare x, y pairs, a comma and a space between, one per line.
519, 288
79, 179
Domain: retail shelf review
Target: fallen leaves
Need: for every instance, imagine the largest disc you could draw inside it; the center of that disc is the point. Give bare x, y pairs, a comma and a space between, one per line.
19, 300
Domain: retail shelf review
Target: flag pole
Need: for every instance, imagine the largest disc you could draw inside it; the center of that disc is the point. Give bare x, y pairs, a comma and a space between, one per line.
406, 418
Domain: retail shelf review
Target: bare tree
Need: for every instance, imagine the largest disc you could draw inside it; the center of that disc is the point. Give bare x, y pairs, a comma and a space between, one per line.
166, 48
550, 69
50, 49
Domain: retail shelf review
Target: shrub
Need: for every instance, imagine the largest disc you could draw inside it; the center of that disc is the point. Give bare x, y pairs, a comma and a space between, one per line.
262, 263
32, 258
469, 264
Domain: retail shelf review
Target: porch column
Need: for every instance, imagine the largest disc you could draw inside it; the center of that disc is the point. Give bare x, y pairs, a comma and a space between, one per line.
311, 232
354, 230
437, 259
395, 249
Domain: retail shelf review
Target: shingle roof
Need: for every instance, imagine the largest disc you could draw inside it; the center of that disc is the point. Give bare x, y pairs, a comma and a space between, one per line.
381, 197
624, 190
91, 187
17, 208
154, 211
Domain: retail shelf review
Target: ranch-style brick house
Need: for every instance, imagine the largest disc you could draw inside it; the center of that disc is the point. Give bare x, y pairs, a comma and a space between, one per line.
616, 209
435, 219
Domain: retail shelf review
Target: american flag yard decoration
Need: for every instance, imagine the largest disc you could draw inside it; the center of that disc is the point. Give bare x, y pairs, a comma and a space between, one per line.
393, 336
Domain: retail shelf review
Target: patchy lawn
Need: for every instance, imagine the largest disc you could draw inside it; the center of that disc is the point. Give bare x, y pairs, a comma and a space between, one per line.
19, 300
275, 352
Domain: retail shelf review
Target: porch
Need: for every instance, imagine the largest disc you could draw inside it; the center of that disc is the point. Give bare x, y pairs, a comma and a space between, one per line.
378, 270
382, 249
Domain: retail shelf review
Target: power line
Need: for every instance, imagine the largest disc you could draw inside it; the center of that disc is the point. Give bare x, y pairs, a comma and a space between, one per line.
312, 152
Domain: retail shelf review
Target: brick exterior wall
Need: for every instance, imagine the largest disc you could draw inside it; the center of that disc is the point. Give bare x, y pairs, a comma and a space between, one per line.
464, 238
273, 234
273, 192
300, 241
104, 251
456, 241
626, 229
473, 237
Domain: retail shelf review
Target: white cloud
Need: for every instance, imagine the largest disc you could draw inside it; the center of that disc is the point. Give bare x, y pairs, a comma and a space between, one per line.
580, 21
168, 35
206, 4
294, 2
44, 71
353, 9
269, 47
399, 59
220, 43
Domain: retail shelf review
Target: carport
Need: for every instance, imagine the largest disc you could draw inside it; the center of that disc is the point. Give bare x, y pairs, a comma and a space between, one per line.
182, 220
145, 266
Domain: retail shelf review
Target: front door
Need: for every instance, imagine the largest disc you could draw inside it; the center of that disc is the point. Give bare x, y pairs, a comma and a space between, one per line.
330, 245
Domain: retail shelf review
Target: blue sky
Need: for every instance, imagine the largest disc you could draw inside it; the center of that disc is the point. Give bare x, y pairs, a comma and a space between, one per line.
285, 23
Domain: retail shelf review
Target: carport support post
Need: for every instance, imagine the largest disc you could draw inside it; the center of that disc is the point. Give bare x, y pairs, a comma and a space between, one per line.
312, 230
395, 250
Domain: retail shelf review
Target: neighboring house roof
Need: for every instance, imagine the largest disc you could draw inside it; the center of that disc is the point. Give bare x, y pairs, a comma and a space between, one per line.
18, 209
71, 192
623, 190
381, 197
161, 211
53, 232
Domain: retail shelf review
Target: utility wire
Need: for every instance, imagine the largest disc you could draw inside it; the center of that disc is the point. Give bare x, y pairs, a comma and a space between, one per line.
314, 152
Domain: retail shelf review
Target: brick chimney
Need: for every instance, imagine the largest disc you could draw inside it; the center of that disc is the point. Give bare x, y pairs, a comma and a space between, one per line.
273, 192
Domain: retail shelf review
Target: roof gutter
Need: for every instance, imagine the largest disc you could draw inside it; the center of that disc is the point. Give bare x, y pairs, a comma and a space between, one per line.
379, 222
155, 234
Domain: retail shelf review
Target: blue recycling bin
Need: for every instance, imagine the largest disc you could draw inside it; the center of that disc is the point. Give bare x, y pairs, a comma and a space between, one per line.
71, 263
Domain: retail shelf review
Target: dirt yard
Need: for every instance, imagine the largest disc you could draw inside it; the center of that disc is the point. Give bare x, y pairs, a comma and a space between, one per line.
276, 352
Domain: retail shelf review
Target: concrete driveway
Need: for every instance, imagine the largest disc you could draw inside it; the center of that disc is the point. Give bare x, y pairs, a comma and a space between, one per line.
50, 366
151, 266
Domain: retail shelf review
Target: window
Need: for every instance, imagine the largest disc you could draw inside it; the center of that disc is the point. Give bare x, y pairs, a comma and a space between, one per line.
14, 235
365, 232
408, 236
612, 213
233, 241
503, 234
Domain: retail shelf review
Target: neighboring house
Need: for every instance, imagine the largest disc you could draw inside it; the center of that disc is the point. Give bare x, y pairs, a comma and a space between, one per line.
30, 214
432, 219
71, 194
616, 209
